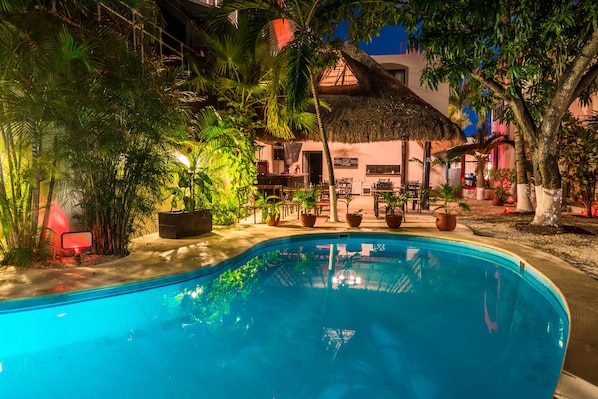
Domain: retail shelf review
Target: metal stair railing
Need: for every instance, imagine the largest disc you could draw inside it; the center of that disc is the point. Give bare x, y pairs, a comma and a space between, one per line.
140, 34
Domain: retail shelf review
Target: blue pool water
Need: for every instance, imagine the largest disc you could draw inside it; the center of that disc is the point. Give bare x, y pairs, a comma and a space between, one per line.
424, 319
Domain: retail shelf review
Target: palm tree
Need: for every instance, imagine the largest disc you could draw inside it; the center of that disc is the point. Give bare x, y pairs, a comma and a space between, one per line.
480, 148
468, 95
41, 61
46, 53
312, 48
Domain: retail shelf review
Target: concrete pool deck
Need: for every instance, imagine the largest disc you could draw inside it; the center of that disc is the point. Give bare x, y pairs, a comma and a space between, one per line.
153, 257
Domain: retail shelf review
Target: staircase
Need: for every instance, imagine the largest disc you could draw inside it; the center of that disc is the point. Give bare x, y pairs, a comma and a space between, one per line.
150, 38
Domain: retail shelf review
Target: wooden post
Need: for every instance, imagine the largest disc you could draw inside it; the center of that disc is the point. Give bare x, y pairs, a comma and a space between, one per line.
426, 176
403, 162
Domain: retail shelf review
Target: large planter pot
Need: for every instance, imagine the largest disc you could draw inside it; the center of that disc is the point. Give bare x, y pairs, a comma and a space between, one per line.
394, 221
353, 220
184, 224
308, 220
446, 222
497, 201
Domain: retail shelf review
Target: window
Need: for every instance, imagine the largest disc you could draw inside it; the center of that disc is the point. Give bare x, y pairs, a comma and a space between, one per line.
399, 74
383, 169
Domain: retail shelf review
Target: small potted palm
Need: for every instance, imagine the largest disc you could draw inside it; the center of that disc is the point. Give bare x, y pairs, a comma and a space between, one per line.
450, 200
394, 201
353, 219
307, 198
270, 207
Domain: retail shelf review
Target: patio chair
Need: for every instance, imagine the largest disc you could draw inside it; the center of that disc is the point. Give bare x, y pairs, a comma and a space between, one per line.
413, 190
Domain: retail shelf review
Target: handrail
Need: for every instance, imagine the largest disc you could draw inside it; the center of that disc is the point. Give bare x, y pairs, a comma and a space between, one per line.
140, 27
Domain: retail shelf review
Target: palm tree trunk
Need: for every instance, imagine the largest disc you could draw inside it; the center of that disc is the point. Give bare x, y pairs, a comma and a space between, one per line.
481, 183
333, 207
35, 188
524, 202
47, 208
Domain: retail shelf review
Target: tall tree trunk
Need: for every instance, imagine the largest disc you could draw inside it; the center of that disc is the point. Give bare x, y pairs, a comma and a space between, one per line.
524, 201
324, 136
548, 190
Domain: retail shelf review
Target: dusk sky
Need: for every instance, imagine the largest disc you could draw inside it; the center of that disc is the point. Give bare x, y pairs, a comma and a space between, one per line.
393, 40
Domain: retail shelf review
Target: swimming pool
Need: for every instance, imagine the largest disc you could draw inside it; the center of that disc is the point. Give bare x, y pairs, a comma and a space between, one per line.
318, 316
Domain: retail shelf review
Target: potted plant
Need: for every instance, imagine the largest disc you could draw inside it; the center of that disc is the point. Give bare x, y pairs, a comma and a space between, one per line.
394, 201
270, 207
353, 219
307, 198
500, 196
450, 199
190, 193
500, 183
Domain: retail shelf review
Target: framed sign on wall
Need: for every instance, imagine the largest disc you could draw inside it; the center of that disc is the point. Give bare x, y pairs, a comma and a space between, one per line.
345, 162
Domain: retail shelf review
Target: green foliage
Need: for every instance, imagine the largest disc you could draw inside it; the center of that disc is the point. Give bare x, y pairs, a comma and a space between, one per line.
270, 205
214, 304
535, 57
307, 198
191, 188
347, 200
312, 47
449, 197
120, 146
469, 95
41, 60
395, 200
480, 148
229, 158
223, 213
500, 182
578, 154
53, 59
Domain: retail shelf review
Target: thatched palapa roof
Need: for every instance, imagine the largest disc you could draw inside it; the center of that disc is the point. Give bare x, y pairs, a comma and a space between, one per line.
368, 105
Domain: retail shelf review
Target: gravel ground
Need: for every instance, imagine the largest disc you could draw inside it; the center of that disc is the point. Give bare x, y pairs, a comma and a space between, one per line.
575, 241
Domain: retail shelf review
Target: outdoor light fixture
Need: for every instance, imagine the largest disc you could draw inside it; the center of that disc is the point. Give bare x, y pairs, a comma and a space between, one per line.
507, 210
76, 241
346, 277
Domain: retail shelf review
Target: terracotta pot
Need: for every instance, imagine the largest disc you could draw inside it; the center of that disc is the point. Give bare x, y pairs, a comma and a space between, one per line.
353, 220
497, 201
394, 221
446, 222
308, 220
274, 220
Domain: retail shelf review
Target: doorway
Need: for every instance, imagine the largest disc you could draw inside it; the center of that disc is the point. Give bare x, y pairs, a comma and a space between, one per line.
313, 159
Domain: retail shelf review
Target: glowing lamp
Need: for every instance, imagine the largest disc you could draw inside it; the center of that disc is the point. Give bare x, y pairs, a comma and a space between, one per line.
507, 210
346, 277
76, 241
